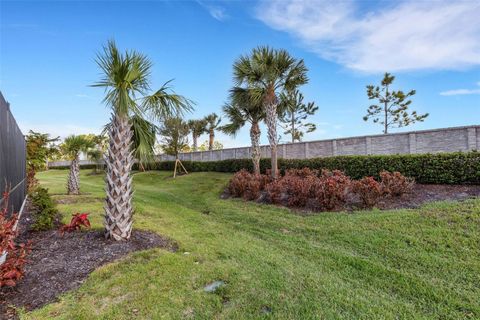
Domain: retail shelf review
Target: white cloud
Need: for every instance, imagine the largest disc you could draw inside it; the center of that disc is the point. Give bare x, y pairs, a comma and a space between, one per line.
456, 92
407, 35
215, 11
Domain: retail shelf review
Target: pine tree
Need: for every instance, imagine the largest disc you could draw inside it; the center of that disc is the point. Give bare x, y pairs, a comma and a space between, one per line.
392, 110
293, 113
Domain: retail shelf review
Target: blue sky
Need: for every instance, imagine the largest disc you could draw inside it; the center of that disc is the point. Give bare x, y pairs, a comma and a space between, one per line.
47, 51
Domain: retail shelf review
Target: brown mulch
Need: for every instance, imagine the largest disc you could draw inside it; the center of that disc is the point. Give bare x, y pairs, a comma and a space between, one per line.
420, 194
59, 263
424, 193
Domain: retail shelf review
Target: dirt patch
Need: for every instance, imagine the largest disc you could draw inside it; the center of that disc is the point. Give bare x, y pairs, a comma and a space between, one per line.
59, 263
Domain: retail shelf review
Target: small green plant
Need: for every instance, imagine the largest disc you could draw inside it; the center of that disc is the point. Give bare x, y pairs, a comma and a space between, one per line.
45, 212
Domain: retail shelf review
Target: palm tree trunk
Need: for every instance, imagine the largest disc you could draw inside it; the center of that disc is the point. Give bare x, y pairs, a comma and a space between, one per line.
271, 121
72, 184
256, 154
210, 142
195, 146
119, 161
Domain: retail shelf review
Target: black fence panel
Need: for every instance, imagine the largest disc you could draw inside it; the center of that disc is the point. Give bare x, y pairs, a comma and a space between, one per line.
12, 157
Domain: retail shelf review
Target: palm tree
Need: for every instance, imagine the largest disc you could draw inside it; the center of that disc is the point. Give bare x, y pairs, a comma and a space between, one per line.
126, 79
242, 109
71, 147
272, 72
143, 140
197, 127
213, 121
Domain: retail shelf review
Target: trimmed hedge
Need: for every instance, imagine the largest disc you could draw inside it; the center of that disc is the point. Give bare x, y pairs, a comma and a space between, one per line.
439, 168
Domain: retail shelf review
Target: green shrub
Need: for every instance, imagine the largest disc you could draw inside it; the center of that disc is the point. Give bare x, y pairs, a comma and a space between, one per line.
44, 210
439, 168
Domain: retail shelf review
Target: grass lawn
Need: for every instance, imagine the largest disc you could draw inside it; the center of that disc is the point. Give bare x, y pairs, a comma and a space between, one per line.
400, 264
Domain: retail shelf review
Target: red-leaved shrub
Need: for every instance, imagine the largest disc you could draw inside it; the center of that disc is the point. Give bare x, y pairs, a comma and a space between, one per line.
395, 184
368, 190
331, 188
247, 185
78, 221
12, 269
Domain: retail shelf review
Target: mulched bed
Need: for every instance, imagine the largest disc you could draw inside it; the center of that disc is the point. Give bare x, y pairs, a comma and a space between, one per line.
421, 194
59, 263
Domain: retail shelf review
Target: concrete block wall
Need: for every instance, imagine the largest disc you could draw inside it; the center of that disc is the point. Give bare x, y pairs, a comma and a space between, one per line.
425, 141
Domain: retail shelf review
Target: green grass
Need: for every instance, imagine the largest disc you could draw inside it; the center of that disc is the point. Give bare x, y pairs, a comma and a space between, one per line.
400, 264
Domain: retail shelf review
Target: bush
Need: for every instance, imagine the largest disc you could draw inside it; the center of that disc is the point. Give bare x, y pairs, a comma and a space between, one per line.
45, 212
12, 269
439, 168
78, 221
395, 184
368, 190
331, 189
247, 185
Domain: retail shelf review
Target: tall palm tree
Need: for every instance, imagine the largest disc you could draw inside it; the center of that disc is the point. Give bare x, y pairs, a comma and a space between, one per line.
197, 128
213, 121
242, 109
126, 80
71, 147
272, 71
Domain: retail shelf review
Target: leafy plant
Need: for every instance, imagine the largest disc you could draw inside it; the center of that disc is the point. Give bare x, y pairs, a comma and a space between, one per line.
395, 184
246, 185
44, 210
12, 269
368, 190
78, 221
331, 189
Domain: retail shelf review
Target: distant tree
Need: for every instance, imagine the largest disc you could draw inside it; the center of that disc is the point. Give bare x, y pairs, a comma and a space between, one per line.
197, 128
243, 109
71, 147
205, 146
40, 146
392, 110
213, 121
293, 112
270, 71
174, 133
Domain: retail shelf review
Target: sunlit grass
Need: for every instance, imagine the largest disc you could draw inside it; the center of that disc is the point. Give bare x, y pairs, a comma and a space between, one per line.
400, 264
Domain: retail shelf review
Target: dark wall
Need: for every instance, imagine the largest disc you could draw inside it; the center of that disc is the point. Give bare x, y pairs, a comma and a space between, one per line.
12, 157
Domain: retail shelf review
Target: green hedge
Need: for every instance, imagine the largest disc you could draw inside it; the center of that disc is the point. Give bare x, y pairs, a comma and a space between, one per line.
440, 168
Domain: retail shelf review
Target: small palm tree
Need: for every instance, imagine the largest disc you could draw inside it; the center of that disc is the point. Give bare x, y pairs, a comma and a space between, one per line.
126, 79
71, 147
213, 121
271, 72
242, 109
197, 128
